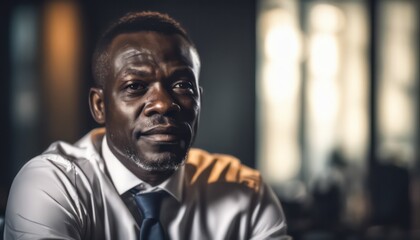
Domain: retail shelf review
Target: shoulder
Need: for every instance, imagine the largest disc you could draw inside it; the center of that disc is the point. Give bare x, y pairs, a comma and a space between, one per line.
46, 179
45, 175
212, 168
56, 168
66, 156
60, 169
221, 176
58, 180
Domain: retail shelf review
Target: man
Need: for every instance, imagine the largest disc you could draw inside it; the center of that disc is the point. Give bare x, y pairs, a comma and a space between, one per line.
138, 177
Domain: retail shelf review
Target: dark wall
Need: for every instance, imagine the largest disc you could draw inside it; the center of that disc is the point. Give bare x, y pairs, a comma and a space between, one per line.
5, 133
224, 33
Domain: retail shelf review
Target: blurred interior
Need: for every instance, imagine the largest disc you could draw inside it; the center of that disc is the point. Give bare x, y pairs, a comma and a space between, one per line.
322, 96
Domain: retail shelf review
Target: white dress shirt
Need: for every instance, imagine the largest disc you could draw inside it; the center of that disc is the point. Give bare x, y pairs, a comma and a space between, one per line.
81, 191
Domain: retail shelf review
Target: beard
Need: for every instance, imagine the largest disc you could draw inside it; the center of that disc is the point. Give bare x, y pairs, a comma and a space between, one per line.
167, 162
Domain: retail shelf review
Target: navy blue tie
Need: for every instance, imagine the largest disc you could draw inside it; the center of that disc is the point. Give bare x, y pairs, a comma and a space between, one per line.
149, 205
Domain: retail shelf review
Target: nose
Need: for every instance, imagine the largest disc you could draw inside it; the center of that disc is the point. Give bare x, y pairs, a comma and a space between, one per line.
160, 101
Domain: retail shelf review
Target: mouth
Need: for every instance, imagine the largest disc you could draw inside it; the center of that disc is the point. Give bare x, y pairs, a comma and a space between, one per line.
163, 134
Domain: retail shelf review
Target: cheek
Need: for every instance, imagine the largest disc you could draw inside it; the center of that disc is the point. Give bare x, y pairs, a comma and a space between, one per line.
120, 116
191, 108
118, 127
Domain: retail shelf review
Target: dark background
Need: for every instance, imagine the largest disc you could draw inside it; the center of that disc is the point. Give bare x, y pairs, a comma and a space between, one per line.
225, 35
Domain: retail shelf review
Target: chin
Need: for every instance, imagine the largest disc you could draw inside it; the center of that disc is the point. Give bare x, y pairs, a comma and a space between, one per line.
160, 162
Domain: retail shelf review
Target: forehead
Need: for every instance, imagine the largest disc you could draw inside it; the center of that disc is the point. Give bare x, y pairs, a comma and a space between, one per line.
154, 46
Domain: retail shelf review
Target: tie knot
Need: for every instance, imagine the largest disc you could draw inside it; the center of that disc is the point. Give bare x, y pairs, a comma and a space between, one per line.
149, 203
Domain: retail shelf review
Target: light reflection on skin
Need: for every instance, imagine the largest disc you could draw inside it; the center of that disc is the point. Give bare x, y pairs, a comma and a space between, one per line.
139, 59
142, 61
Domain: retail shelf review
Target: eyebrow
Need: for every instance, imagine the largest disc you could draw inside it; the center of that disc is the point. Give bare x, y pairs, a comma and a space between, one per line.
138, 71
187, 61
135, 52
183, 71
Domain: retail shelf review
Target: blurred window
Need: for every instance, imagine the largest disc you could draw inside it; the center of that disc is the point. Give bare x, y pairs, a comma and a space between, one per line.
397, 80
312, 86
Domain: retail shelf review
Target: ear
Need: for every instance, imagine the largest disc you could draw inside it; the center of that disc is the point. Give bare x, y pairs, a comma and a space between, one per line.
201, 94
96, 105
197, 123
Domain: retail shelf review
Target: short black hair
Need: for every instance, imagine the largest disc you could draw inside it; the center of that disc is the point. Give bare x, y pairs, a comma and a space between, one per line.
131, 22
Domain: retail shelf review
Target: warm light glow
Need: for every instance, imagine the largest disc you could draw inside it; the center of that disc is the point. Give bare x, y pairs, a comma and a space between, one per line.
353, 112
396, 110
61, 69
282, 41
398, 101
326, 18
279, 84
336, 85
335, 90
323, 89
324, 55
323, 101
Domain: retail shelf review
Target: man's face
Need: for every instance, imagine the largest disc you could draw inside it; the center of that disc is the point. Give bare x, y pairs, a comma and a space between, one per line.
152, 99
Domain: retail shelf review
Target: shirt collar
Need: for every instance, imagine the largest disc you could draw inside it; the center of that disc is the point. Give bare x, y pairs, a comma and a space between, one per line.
124, 180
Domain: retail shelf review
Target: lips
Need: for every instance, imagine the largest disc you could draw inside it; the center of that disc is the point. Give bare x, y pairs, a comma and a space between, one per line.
161, 134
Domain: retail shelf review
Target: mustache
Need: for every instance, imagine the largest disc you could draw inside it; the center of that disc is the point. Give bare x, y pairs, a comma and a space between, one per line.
160, 123
160, 120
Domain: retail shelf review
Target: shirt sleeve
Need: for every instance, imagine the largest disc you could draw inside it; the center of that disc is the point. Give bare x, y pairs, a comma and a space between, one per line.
43, 204
268, 220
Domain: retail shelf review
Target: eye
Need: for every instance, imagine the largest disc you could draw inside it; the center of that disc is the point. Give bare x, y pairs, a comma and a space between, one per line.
134, 87
184, 86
